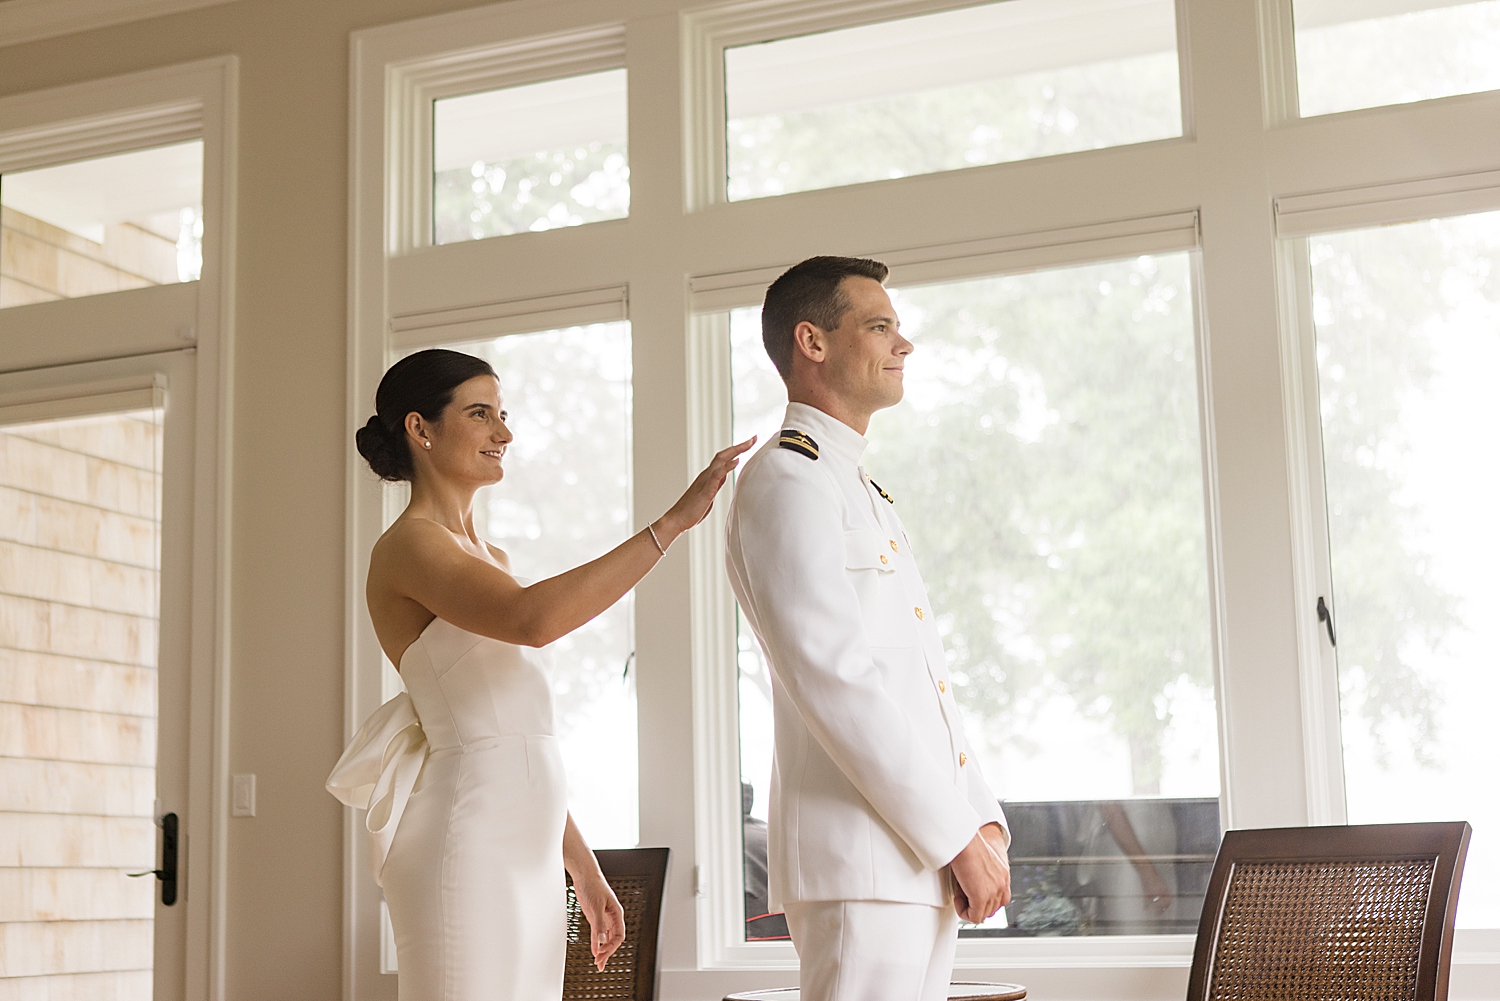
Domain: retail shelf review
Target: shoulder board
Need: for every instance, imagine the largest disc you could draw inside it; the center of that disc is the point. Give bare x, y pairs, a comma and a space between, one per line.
889, 499
799, 442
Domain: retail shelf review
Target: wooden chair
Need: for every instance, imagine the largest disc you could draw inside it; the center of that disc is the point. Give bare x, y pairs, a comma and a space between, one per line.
1311, 913
637, 876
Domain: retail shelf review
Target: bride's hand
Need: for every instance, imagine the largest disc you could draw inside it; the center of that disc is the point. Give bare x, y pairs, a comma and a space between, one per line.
694, 505
605, 916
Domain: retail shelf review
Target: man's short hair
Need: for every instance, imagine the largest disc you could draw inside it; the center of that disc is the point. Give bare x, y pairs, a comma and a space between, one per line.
811, 291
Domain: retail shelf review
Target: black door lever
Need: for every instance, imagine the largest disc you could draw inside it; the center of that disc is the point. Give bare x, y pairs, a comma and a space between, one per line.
168, 871
1326, 617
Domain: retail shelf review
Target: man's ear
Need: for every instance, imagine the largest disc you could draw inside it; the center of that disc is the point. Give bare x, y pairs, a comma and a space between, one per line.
810, 341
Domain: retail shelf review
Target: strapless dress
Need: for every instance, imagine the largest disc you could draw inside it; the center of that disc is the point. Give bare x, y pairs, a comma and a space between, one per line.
463, 782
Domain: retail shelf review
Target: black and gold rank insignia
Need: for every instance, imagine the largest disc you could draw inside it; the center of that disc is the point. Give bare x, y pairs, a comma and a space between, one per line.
888, 498
798, 442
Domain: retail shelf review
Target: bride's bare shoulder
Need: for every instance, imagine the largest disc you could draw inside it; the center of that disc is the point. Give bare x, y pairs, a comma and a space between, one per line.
411, 539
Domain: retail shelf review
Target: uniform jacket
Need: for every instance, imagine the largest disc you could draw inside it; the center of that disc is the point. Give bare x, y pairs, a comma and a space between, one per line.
874, 787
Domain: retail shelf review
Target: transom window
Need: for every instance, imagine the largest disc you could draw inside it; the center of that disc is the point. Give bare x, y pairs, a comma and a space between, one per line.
987, 84
1365, 53
530, 158
105, 224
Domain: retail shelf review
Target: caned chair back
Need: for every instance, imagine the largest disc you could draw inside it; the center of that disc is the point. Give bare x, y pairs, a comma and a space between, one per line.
1360, 913
637, 876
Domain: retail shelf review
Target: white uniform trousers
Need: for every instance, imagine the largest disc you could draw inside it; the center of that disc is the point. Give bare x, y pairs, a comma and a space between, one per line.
873, 950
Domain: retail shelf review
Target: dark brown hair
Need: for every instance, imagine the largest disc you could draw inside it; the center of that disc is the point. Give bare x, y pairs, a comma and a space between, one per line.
811, 291
423, 383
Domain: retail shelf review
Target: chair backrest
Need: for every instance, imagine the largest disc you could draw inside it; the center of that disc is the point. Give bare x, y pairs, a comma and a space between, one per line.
637, 875
1310, 913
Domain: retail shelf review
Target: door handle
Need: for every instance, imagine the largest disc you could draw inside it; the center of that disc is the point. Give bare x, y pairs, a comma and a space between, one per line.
168, 871
1326, 617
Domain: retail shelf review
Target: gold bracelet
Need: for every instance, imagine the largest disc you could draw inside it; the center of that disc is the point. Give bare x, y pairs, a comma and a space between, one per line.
654, 539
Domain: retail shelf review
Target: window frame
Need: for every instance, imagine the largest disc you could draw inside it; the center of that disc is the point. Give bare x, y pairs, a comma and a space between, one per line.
1300, 218
683, 253
486, 67
716, 750
178, 335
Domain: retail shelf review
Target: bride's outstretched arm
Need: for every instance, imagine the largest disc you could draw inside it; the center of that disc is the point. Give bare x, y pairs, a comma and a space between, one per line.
422, 561
600, 906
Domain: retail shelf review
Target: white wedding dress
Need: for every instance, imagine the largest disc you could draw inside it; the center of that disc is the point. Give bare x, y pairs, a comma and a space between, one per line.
467, 801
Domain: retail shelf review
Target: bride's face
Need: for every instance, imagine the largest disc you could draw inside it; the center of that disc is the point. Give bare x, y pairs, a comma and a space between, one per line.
469, 443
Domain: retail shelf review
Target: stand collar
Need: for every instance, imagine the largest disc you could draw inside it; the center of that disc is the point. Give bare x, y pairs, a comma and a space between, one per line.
828, 432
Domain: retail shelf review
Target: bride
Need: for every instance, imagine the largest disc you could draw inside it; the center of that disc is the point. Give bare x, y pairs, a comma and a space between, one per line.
461, 775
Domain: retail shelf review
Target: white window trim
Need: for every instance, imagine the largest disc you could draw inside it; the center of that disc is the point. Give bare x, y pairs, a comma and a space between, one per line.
124, 331
1387, 204
975, 259
426, 328
682, 251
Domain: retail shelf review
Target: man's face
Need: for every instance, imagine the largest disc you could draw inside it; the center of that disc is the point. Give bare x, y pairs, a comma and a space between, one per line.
866, 353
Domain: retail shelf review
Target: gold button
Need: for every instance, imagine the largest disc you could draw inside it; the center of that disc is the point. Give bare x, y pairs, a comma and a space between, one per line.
918, 610
893, 546
963, 759
884, 560
942, 686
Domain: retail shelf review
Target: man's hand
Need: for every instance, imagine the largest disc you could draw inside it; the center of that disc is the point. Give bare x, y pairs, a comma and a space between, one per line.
982, 872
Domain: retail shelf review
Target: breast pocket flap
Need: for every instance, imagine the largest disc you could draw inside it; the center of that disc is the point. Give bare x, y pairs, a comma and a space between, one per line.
868, 551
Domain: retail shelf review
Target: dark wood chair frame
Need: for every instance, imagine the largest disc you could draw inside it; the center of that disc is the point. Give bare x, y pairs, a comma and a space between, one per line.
649, 864
1444, 844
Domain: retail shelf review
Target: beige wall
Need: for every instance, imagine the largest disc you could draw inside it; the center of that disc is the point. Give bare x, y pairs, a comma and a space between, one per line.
285, 865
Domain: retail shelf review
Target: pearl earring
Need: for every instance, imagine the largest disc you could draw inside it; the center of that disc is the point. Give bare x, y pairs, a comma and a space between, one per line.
426, 444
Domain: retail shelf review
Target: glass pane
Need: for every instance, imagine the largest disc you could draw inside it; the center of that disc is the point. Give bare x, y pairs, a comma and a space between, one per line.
530, 158
1046, 463
1003, 81
565, 500
1406, 321
80, 504
102, 225
1366, 53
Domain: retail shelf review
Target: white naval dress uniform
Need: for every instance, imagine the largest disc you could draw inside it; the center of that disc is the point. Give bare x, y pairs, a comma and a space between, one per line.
874, 788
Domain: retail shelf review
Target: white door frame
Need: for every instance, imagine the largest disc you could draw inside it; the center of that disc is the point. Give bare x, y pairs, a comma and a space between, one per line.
178, 336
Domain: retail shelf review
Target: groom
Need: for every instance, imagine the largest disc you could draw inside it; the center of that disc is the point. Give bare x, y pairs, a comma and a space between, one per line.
883, 832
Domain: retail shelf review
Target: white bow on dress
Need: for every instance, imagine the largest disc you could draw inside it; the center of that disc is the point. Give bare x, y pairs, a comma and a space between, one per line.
378, 770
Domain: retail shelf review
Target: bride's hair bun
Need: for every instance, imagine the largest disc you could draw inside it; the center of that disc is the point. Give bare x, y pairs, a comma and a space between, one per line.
389, 459
421, 383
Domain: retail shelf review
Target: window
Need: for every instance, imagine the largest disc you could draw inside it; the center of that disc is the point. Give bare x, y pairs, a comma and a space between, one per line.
102, 225
530, 158
1047, 464
987, 84
80, 518
565, 500
1406, 350
871, 114
1365, 53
